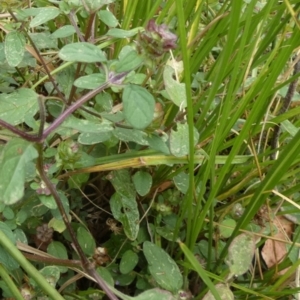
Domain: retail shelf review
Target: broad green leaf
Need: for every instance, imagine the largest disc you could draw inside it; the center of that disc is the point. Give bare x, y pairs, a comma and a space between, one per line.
43, 40
94, 5
175, 89
17, 106
131, 135
121, 33
155, 294
142, 182
5, 258
128, 261
65, 202
86, 241
66, 80
64, 31
83, 52
8, 213
138, 106
88, 126
45, 14
14, 47
125, 210
57, 249
21, 216
162, 267
226, 227
181, 181
105, 274
92, 138
16, 154
165, 232
240, 254
123, 203
179, 140
129, 62
125, 279
20, 236
48, 201
57, 225
158, 143
52, 274
224, 292
108, 18
90, 81
121, 181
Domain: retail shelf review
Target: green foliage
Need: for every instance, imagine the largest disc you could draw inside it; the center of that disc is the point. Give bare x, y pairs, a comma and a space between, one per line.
162, 267
187, 91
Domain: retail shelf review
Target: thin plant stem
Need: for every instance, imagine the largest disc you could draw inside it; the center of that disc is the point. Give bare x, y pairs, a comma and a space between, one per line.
40, 58
86, 264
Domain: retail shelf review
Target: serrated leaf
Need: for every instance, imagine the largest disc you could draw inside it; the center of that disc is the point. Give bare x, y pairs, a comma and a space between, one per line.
14, 47
108, 18
121, 33
45, 14
5, 258
64, 31
17, 106
90, 81
86, 241
240, 254
155, 294
162, 267
174, 89
83, 52
138, 106
142, 182
16, 154
179, 140
128, 261
223, 290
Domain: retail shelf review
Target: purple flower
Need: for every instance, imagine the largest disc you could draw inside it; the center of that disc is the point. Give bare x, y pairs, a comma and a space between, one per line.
157, 39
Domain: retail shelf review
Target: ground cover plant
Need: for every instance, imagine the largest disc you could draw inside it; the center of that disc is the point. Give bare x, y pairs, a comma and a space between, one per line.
149, 149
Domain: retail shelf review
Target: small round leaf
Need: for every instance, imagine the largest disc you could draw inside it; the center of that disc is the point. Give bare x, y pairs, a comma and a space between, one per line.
128, 262
142, 182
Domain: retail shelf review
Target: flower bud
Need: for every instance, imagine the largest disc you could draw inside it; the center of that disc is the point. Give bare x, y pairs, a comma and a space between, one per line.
157, 39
